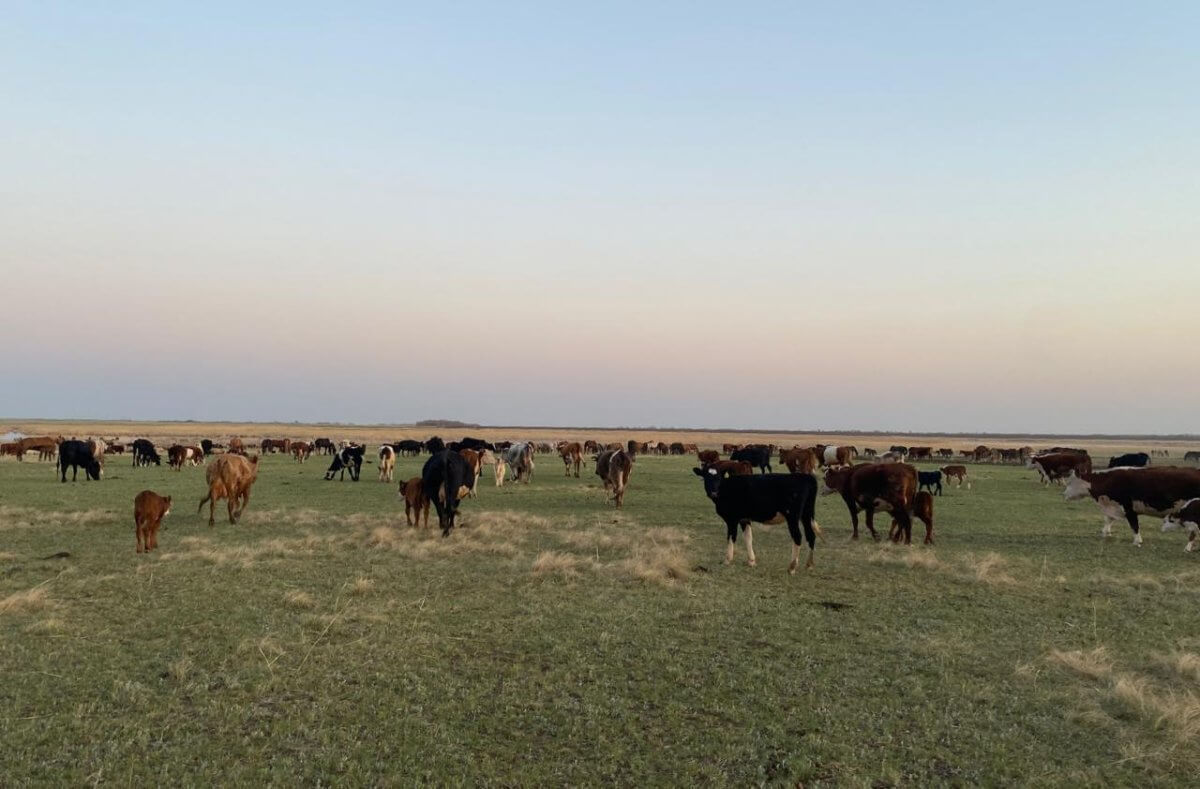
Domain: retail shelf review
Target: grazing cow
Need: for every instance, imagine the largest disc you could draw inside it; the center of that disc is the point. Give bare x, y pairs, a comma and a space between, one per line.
230, 477
770, 498
633, 446
149, 509
415, 501
543, 448
178, 456
708, 456
274, 445
677, 448
207, 445
799, 460
835, 456
471, 443
236, 447
324, 446
1187, 456
728, 448
732, 468
981, 453
1129, 492
870, 453
11, 448
957, 473
872, 486
591, 447
46, 446
519, 458
387, 462
1188, 517
96, 445
757, 456
572, 457
434, 445
898, 448
1058, 465
114, 449
945, 453
931, 480
922, 508
75, 453
1131, 460
301, 450
689, 448
446, 480
475, 463
409, 447
920, 453
891, 457
348, 459
144, 453
614, 467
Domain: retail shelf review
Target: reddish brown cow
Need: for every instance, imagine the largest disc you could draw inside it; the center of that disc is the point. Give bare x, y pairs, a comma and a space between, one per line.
870, 486
415, 501
958, 474
920, 453
149, 509
799, 460
12, 448
236, 447
922, 508
230, 477
1059, 465
475, 463
708, 456
46, 446
732, 468
572, 457
301, 451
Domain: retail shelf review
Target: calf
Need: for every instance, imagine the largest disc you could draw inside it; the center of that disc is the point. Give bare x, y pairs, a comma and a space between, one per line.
871, 486
1129, 492
1188, 517
614, 468
572, 457
415, 501
1056, 466
348, 459
301, 451
922, 508
149, 509
446, 481
931, 480
757, 456
75, 453
236, 447
1131, 460
324, 446
769, 498
958, 473
387, 462
230, 477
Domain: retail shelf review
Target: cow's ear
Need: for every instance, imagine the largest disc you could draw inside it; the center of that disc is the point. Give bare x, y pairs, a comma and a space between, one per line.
697, 472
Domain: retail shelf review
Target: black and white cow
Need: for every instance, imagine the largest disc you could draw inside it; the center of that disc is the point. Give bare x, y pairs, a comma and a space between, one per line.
144, 453
446, 479
766, 498
1130, 492
931, 480
347, 459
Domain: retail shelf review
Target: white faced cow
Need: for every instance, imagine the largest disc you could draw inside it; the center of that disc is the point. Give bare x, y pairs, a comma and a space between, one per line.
1130, 492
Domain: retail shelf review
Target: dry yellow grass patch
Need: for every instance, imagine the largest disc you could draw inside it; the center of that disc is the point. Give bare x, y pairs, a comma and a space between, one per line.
361, 586
50, 624
298, 599
1185, 664
1093, 664
663, 564
180, 669
989, 569
247, 555
28, 517
25, 602
1133, 581
906, 556
566, 565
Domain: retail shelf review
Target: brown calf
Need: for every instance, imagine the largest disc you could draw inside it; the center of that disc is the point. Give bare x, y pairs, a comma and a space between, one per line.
958, 474
149, 509
572, 457
415, 501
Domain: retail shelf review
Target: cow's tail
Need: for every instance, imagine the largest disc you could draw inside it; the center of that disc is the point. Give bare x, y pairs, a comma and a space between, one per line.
204, 501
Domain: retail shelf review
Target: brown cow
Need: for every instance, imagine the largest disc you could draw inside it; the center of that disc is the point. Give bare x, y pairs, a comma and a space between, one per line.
12, 448
958, 474
614, 467
732, 468
415, 501
572, 457
149, 509
1057, 466
833, 456
273, 445
46, 446
799, 460
301, 451
708, 456
870, 486
920, 453
922, 508
178, 455
230, 477
236, 447
475, 463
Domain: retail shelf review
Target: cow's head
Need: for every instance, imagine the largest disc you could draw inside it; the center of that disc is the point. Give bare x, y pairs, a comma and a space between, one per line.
1077, 487
834, 480
712, 480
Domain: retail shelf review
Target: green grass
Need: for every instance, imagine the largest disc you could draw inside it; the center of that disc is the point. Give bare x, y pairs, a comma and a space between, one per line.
553, 640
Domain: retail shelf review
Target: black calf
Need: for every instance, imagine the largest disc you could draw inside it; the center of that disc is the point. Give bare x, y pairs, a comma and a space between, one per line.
931, 480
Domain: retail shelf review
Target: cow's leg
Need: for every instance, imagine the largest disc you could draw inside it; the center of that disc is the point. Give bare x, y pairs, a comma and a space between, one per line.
139, 535
154, 536
905, 521
928, 529
1193, 532
870, 511
1132, 517
731, 527
853, 521
748, 532
408, 513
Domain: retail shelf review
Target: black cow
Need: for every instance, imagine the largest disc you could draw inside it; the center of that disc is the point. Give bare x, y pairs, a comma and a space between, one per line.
769, 498
1191, 455
446, 479
349, 459
757, 456
75, 454
931, 480
409, 447
1131, 460
435, 445
144, 453
476, 444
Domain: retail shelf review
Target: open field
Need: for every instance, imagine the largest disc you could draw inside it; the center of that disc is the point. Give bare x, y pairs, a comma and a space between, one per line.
553, 640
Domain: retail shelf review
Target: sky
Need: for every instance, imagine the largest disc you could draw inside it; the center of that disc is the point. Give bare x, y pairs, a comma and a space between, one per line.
898, 216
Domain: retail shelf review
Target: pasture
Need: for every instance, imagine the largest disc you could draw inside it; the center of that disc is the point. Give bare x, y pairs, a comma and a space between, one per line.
554, 640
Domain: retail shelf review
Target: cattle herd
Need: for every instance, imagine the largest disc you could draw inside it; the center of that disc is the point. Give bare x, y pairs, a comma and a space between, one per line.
743, 486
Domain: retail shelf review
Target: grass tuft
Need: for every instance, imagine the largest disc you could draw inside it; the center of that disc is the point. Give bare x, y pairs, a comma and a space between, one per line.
298, 599
551, 563
1093, 664
25, 602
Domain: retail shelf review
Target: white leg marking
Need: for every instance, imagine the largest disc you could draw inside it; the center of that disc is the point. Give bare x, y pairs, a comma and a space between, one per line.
1137, 539
729, 552
752, 560
795, 559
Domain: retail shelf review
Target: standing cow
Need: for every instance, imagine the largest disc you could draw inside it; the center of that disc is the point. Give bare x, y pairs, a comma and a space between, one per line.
230, 477
614, 466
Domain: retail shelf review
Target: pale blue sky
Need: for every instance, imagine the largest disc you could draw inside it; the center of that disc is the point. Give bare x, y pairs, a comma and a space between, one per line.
900, 216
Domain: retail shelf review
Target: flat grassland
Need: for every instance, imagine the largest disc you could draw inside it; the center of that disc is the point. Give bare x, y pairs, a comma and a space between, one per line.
554, 640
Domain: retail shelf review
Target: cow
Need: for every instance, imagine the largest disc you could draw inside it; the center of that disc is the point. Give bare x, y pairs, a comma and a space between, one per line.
757, 456
207, 445
958, 473
415, 501
677, 448
1189, 456
387, 462
179, 455
931, 480
732, 468
981, 453
501, 446
446, 479
519, 458
11, 448
499, 469
348, 459
76, 453
572, 457
1058, 465
590, 446
708, 456
471, 443
1188, 516
409, 447
897, 448
870, 453
1131, 460
891, 457
1129, 492
229, 477
434, 445
96, 446
149, 509
236, 447
835, 456
273, 445
614, 466
922, 508
324, 446
728, 448
871, 486
767, 498
114, 449
475, 463
144, 453
46, 446
543, 448
920, 453
799, 460
301, 450
945, 453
